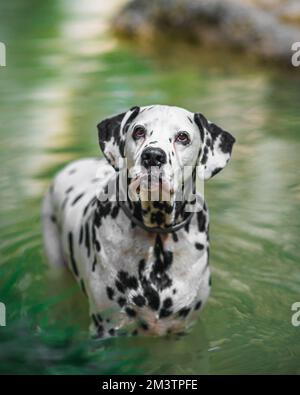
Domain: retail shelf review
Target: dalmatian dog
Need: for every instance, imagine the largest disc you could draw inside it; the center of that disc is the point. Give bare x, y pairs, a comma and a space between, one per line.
141, 261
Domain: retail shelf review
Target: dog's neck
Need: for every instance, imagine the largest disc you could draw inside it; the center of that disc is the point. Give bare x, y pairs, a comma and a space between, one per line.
164, 214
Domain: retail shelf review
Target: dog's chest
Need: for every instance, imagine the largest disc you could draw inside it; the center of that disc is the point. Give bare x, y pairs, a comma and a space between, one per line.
153, 279
157, 257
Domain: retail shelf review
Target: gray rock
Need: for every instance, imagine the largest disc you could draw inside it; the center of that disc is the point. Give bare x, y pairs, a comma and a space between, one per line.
230, 23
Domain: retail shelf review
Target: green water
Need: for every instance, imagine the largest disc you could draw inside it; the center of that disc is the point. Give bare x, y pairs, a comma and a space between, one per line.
65, 72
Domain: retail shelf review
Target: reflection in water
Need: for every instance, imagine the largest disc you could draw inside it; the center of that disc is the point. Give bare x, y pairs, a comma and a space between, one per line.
66, 74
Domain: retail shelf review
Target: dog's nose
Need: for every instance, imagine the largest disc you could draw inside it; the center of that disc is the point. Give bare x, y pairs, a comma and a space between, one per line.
153, 157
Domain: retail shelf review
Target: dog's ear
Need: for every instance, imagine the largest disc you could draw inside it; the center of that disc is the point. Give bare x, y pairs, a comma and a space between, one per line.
216, 147
112, 133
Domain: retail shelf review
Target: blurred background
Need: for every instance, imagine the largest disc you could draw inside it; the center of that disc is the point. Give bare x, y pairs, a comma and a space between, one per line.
71, 63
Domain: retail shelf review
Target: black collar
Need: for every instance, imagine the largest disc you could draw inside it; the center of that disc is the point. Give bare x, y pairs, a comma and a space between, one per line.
131, 217
169, 229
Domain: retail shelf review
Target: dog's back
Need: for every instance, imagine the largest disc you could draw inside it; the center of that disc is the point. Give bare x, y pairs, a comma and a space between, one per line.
70, 192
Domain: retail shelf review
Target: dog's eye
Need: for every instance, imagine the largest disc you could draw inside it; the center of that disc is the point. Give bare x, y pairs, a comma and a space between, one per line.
139, 132
183, 138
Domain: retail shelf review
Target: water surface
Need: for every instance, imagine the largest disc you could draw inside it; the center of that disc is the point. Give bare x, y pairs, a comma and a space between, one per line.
65, 72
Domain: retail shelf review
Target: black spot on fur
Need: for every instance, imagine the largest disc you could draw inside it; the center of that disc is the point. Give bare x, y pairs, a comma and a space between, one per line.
94, 239
164, 313
94, 264
163, 206
184, 312
141, 269
110, 293
157, 218
199, 246
97, 219
98, 325
216, 171
139, 300
163, 261
201, 219
149, 292
83, 287
120, 287
72, 259
122, 147
97, 245
167, 303
115, 211
209, 142
137, 212
199, 118
130, 312
86, 208
204, 156
151, 295
121, 301
81, 235
87, 238
70, 189
103, 209
127, 281
198, 305
90, 203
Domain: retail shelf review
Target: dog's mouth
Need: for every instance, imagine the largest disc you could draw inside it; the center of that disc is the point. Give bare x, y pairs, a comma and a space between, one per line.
151, 186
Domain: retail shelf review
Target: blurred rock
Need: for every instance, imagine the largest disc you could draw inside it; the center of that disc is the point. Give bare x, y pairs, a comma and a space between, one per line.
287, 10
254, 26
290, 11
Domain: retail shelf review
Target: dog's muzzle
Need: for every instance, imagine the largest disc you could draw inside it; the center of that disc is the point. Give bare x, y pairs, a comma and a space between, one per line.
152, 178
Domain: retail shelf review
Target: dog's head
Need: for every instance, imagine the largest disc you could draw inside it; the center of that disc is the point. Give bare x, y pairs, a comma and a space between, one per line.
164, 144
